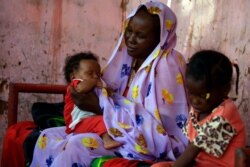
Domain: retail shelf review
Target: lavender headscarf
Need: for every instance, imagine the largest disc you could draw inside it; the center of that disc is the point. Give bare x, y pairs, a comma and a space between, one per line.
156, 94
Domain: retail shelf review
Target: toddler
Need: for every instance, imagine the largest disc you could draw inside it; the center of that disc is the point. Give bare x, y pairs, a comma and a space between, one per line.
82, 72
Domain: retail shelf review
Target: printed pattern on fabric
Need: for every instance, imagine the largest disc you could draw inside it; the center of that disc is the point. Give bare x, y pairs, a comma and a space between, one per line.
72, 114
213, 136
218, 135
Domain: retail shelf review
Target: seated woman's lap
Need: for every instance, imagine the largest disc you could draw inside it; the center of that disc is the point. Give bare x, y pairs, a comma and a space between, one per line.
68, 149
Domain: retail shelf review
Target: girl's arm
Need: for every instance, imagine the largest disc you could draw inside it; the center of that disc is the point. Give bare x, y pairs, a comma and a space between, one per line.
188, 157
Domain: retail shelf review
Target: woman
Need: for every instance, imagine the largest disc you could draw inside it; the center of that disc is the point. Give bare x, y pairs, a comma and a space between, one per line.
148, 107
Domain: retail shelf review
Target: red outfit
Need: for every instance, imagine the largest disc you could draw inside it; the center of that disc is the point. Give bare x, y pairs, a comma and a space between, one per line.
121, 162
91, 123
13, 155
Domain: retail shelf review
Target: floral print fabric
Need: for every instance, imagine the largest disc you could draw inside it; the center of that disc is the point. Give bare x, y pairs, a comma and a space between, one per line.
214, 136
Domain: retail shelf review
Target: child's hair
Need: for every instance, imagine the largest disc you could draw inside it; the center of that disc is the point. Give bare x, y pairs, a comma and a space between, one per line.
72, 63
212, 67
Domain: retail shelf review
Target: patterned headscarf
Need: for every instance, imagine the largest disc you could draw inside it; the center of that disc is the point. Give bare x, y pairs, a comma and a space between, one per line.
168, 23
156, 94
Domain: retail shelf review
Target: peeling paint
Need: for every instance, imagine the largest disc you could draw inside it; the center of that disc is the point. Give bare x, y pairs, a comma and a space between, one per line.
3, 106
124, 4
34, 2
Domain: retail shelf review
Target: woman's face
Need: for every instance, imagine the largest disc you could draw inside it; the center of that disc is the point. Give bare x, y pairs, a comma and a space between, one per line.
142, 35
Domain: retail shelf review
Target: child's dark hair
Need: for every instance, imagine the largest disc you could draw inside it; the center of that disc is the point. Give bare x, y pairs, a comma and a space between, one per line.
212, 67
72, 63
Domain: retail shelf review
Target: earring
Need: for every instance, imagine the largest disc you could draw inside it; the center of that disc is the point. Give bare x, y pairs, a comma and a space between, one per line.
207, 96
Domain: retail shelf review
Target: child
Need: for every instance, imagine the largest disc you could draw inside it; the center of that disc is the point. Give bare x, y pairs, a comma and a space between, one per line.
82, 71
215, 128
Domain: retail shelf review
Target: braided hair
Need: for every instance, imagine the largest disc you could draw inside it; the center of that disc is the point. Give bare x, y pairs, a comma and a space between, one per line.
212, 67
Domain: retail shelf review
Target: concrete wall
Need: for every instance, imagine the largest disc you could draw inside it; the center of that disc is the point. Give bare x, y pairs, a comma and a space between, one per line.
36, 36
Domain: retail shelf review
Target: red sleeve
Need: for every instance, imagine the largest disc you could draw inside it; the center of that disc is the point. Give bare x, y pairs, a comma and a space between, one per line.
75, 82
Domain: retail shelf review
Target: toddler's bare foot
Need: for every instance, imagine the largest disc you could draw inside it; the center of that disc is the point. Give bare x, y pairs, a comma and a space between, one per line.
111, 144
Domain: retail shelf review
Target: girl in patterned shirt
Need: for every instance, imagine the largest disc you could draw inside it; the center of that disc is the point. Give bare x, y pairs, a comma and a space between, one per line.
214, 128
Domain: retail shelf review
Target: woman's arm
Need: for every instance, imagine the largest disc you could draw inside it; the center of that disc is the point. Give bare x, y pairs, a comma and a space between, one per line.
188, 157
86, 101
85, 86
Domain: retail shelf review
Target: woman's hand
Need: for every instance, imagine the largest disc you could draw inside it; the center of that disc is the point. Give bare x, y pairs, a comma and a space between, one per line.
86, 85
86, 101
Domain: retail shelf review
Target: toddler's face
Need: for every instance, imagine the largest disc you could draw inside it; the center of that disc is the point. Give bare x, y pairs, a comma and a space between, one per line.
88, 70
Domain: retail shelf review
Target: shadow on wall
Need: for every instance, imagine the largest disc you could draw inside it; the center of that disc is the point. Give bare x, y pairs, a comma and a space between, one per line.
3, 96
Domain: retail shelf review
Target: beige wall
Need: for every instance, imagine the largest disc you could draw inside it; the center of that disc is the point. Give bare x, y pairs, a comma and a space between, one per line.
37, 35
